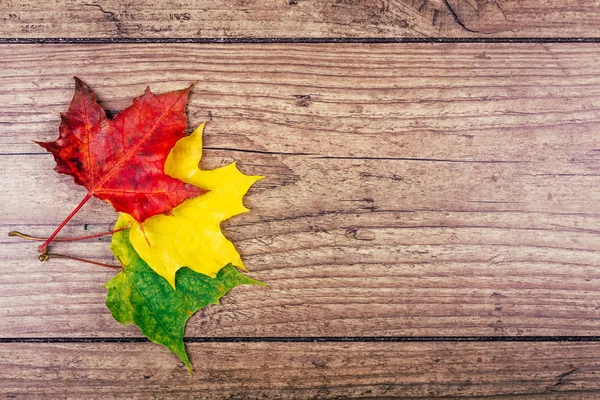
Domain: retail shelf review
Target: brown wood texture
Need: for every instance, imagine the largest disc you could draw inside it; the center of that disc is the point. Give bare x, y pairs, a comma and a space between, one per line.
299, 18
294, 371
411, 189
303, 371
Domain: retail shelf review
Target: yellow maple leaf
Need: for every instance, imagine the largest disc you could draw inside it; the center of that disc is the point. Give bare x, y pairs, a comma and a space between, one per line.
190, 236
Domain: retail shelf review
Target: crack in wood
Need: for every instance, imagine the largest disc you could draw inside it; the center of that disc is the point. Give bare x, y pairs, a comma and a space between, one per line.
560, 378
458, 20
110, 16
481, 13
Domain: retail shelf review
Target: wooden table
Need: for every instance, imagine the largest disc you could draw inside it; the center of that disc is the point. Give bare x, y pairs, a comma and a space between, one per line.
430, 222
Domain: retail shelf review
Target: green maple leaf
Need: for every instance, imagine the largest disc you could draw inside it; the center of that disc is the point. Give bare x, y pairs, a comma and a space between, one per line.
140, 296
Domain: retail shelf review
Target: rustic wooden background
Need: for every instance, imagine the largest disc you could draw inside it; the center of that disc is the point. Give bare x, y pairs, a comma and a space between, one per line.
429, 226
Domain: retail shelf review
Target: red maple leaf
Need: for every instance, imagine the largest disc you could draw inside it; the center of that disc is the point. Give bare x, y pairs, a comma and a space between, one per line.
121, 160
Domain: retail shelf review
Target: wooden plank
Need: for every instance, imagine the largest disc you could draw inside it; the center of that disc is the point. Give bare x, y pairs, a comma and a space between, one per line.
299, 18
411, 189
303, 370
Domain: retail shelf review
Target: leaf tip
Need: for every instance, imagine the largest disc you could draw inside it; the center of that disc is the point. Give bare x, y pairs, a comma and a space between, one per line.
264, 285
48, 146
199, 130
78, 83
170, 278
189, 367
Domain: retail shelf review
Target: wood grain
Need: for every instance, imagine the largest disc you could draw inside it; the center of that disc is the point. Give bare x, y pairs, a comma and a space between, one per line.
411, 189
303, 371
299, 18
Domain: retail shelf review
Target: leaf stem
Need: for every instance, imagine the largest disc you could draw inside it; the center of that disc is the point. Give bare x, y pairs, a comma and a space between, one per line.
73, 239
44, 247
47, 256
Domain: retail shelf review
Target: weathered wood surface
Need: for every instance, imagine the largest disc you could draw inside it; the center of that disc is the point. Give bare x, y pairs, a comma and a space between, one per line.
411, 189
300, 18
303, 371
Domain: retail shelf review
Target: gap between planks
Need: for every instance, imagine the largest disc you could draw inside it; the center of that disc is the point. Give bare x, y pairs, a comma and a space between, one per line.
321, 339
300, 40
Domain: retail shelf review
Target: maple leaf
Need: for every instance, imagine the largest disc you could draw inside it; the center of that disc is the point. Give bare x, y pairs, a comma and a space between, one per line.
122, 160
190, 236
140, 296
